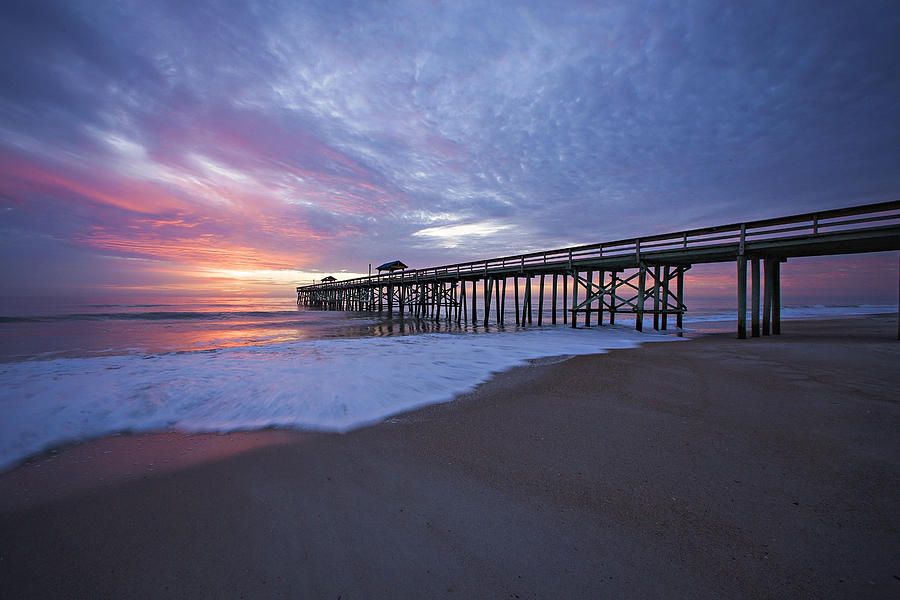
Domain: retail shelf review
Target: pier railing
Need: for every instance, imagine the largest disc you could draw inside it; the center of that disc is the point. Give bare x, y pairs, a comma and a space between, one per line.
733, 240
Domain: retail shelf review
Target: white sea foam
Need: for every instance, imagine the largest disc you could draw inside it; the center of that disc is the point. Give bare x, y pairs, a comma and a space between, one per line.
325, 385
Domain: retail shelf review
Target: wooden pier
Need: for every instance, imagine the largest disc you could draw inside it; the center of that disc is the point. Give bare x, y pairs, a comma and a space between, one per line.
640, 276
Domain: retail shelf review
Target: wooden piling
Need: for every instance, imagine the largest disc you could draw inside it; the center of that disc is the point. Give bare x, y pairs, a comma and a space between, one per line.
503, 303
526, 306
565, 295
516, 292
451, 300
656, 276
613, 280
462, 302
742, 297
391, 299
488, 284
679, 293
767, 297
529, 302
474, 302
553, 303
601, 280
776, 297
664, 317
498, 310
541, 302
754, 297
588, 292
574, 299
642, 282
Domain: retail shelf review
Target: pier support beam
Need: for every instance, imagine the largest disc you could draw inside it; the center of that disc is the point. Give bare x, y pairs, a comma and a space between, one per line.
639, 309
498, 311
391, 299
613, 281
589, 276
526, 306
474, 302
574, 299
656, 286
742, 297
754, 298
502, 304
516, 292
679, 294
767, 297
776, 297
553, 302
541, 302
601, 277
488, 284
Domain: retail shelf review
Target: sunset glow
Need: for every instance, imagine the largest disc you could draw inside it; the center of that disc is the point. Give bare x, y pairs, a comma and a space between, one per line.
243, 149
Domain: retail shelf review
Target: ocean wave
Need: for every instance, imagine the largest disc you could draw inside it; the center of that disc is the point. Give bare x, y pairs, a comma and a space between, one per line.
324, 385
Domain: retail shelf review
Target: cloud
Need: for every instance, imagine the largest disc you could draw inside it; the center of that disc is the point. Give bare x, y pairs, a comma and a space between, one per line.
317, 135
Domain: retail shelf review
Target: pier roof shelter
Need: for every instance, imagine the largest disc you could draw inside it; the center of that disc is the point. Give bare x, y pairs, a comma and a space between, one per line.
329, 279
394, 265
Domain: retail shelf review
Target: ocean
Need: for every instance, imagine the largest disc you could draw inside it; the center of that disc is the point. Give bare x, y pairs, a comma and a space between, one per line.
70, 373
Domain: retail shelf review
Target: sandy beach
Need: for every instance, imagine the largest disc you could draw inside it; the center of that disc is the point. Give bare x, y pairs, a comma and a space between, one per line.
712, 468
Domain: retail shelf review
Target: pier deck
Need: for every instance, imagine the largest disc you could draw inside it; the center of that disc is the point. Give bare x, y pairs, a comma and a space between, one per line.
641, 276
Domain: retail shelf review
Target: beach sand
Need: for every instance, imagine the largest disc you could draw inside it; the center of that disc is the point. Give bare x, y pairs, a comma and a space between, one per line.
713, 468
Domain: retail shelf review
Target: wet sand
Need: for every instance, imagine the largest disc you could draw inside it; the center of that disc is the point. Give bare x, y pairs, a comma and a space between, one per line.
715, 468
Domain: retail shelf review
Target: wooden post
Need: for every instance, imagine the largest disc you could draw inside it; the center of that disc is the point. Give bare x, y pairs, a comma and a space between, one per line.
565, 299
574, 299
503, 303
391, 298
667, 274
526, 301
656, 271
589, 276
438, 299
462, 302
553, 302
498, 310
776, 297
613, 280
541, 302
488, 284
474, 302
679, 292
516, 292
601, 275
767, 297
742, 297
447, 289
642, 282
754, 297
435, 301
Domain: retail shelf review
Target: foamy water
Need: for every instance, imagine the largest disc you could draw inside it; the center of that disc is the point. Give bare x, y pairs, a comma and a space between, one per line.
324, 385
70, 376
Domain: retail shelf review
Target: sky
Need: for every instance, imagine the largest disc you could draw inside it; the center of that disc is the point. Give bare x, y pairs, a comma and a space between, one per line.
155, 148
